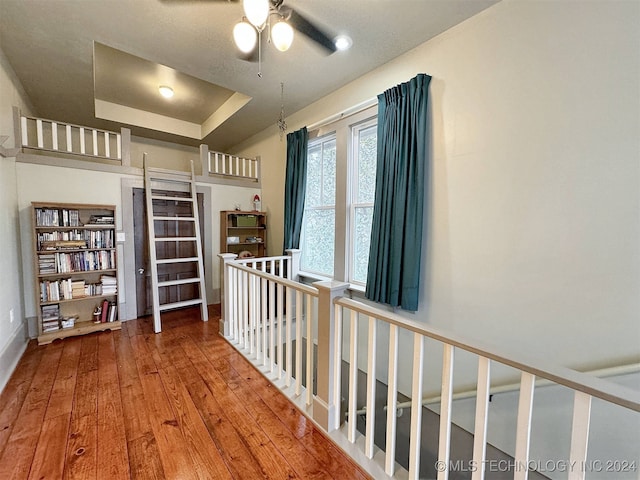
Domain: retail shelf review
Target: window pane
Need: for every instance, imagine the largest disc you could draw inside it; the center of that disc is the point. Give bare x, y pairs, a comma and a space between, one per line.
361, 241
314, 176
318, 241
367, 144
329, 173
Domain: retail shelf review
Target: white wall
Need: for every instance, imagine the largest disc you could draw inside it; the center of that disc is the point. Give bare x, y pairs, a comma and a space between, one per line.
164, 154
12, 334
43, 183
532, 238
533, 224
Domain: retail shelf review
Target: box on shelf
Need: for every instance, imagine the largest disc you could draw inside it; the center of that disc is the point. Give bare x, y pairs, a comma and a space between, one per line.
68, 322
247, 221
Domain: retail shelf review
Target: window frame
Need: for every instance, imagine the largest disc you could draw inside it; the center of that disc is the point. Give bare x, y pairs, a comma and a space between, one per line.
327, 137
354, 163
342, 129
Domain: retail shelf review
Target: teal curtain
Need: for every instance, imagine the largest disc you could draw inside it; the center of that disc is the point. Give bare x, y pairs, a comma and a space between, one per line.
294, 187
393, 276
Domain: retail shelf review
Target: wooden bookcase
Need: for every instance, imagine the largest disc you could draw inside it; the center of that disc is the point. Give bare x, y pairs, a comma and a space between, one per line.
75, 269
242, 231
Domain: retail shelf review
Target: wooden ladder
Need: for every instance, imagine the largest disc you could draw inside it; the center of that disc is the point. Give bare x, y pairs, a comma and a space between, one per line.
161, 184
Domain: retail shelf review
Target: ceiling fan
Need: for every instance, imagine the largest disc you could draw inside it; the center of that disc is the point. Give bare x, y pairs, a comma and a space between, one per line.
278, 21
258, 18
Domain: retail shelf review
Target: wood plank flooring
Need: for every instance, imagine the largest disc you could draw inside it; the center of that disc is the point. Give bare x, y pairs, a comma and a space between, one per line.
182, 404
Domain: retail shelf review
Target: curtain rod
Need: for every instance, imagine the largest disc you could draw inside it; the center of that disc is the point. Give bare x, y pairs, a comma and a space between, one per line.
345, 113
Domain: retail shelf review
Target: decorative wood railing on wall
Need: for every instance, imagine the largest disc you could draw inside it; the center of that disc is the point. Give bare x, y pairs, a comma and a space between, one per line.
263, 314
53, 136
230, 166
43, 135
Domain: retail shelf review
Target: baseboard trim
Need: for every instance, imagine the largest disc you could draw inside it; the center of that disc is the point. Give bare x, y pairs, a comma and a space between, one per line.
11, 355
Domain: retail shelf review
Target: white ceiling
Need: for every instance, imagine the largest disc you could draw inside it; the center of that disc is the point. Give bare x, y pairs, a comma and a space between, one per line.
50, 45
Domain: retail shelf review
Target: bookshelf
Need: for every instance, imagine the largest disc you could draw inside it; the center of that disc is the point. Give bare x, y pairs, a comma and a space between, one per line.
75, 269
243, 231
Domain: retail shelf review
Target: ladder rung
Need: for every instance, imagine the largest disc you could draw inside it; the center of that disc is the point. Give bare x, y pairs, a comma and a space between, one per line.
185, 303
182, 281
178, 260
169, 177
173, 199
178, 219
167, 172
175, 239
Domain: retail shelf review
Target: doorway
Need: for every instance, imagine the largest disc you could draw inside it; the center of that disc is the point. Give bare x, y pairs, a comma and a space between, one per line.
173, 271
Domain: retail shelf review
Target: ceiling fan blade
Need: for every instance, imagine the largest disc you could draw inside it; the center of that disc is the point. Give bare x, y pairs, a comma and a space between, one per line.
185, 2
308, 29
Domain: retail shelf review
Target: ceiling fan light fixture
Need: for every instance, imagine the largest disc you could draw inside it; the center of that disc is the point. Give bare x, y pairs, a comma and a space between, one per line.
256, 11
165, 91
245, 36
343, 42
282, 35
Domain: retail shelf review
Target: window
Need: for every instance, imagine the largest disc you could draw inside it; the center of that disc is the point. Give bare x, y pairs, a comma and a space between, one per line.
318, 223
363, 183
341, 179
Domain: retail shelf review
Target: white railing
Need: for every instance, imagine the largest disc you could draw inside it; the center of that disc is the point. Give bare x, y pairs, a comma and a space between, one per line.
267, 314
584, 387
53, 136
259, 305
230, 166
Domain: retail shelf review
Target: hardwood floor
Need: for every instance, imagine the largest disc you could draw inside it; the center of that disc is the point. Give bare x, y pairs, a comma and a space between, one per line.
182, 404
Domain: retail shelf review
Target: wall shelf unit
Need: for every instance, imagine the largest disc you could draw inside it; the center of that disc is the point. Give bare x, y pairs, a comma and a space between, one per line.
75, 269
243, 231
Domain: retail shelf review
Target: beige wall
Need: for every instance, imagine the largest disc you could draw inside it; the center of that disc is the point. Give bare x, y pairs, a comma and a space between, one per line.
44, 183
48, 182
532, 238
164, 154
12, 334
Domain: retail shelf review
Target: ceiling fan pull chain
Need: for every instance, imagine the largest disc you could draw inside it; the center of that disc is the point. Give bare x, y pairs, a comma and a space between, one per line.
260, 54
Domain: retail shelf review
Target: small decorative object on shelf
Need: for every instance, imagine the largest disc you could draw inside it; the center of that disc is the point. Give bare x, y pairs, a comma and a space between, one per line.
243, 232
75, 268
256, 202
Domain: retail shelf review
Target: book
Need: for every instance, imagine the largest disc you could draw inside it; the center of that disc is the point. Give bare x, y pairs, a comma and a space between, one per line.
104, 314
109, 285
50, 318
113, 312
101, 220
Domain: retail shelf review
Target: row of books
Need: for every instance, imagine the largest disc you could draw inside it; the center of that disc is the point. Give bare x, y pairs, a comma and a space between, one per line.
50, 318
101, 220
53, 217
107, 312
58, 323
69, 289
89, 239
108, 285
76, 262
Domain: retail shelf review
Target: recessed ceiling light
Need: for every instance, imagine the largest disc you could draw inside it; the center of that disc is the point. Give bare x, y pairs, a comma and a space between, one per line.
166, 92
343, 42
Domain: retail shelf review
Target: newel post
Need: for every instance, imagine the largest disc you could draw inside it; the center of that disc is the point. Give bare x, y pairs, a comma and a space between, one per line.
325, 409
294, 263
225, 293
125, 147
204, 159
